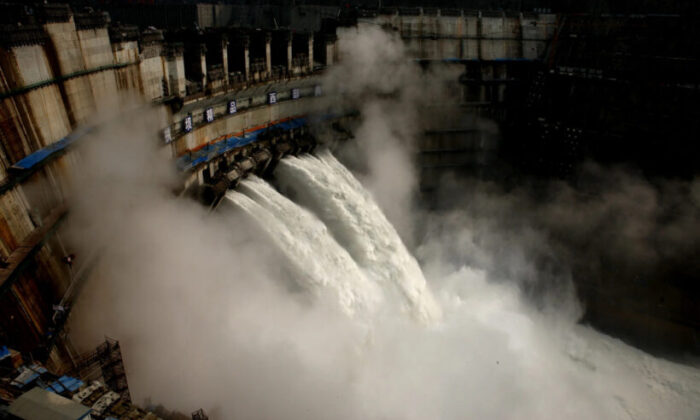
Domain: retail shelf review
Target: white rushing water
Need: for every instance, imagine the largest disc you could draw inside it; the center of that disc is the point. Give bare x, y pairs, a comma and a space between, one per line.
488, 348
331, 191
319, 262
206, 319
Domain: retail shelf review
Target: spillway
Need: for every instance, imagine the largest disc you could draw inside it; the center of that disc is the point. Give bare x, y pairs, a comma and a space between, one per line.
296, 297
326, 186
352, 248
344, 251
319, 262
365, 327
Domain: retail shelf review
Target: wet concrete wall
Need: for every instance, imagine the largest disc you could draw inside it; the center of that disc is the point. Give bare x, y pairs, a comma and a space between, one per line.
470, 35
65, 46
97, 53
53, 77
126, 53
56, 72
42, 108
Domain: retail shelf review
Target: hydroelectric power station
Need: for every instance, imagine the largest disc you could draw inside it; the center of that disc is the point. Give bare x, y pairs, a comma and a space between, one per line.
231, 210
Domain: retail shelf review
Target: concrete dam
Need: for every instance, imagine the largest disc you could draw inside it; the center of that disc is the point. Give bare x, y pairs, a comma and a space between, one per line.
306, 211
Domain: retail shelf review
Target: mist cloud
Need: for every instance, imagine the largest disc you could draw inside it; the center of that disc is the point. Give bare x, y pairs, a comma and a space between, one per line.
202, 306
613, 226
375, 76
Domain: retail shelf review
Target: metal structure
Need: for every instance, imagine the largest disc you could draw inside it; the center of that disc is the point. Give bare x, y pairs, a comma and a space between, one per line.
106, 361
200, 415
615, 89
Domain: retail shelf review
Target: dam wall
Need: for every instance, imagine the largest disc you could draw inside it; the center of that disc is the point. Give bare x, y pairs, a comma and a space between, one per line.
125, 49
468, 35
97, 52
237, 100
224, 88
58, 68
207, 136
55, 74
495, 53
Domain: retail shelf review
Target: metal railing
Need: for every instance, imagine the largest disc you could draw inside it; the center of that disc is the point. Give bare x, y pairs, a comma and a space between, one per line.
244, 102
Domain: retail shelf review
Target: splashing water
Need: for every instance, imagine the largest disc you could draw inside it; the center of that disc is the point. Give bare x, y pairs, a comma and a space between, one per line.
352, 249
331, 191
319, 262
247, 348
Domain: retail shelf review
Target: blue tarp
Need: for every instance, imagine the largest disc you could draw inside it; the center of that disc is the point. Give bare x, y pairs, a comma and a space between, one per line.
4, 352
54, 387
37, 157
73, 384
63, 383
211, 151
27, 375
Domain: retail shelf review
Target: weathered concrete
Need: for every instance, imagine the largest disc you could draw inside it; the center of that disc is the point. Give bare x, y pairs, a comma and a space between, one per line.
68, 52
53, 77
151, 66
175, 70
470, 36
253, 112
97, 53
42, 109
125, 49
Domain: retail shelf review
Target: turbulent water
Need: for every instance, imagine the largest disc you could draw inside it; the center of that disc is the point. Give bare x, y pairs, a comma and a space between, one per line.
319, 262
300, 301
330, 190
376, 267
477, 350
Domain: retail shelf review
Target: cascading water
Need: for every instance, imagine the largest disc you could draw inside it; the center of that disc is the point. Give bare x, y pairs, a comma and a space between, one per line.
208, 322
331, 191
319, 262
349, 250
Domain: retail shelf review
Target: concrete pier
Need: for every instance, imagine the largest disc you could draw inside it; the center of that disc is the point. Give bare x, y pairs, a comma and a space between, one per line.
125, 50
25, 63
151, 66
175, 69
66, 49
98, 56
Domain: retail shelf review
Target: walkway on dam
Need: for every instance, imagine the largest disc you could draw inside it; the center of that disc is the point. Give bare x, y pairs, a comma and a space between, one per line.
251, 91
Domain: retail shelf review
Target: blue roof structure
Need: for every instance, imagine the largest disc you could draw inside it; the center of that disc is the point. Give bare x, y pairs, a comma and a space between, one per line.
64, 383
41, 155
73, 384
28, 375
39, 404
